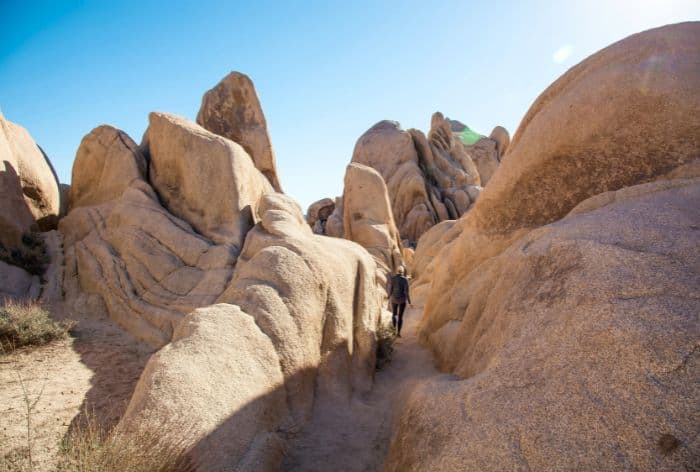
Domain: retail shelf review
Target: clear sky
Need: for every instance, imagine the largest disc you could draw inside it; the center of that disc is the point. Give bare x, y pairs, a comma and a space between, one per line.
324, 71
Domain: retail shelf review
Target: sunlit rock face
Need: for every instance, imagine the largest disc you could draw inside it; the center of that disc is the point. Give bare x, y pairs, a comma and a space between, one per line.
564, 298
186, 245
232, 110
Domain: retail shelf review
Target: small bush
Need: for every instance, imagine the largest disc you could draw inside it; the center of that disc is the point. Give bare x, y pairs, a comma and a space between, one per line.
385, 345
30, 256
28, 324
89, 449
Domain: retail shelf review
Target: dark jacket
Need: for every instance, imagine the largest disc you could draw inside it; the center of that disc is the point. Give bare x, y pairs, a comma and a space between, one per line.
398, 289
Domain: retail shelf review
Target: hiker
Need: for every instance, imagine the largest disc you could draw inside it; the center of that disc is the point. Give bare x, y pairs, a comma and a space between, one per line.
398, 294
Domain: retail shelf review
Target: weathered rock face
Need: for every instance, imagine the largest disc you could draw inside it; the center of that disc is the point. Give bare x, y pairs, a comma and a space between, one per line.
106, 163
221, 377
316, 298
203, 178
429, 179
149, 267
579, 336
429, 245
368, 220
578, 345
565, 151
29, 192
334, 224
232, 110
318, 213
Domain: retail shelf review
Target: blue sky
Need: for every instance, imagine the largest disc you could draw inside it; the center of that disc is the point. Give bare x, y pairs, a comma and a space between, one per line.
325, 71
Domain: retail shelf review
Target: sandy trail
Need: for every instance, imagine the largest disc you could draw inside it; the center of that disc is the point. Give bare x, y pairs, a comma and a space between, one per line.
357, 438
94, 371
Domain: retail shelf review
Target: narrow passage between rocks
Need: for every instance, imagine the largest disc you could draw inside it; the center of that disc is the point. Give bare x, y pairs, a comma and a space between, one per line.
356, 437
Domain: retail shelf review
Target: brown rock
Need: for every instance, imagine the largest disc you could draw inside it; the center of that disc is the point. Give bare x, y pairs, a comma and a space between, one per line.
334, 224
105, 165
232, 110
502, 138
318, 214
220, 377
577, 339
368, 220
28, 185
578, 345
207, 180
316, 298
565, 150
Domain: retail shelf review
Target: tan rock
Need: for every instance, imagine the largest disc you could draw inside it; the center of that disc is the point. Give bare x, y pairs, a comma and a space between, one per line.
316, 298
368, 220
334, 224
578, 348
564, 151
318, 213
426, 177
502, 138
28, 185
205, 179
232, 110
106, 163
218, 385
576, 339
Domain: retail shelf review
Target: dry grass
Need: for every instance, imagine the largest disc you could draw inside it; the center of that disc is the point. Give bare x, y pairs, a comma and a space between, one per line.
89, 449
385, 345
28, 324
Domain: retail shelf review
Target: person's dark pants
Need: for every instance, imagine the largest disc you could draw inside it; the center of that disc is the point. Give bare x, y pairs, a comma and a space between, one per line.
397, 317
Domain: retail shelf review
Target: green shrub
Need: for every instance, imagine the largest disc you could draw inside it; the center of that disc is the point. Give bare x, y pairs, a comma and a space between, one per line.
28, 324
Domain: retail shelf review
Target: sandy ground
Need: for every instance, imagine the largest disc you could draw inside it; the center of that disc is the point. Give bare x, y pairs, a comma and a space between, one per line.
357, 438
94, 371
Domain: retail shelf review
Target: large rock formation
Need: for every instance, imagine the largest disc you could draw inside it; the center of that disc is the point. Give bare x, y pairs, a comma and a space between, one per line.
220, 377
207, 180
578, 348
429, 179
368, 220
318, 213
145, 264
232, 110
29, 192
305, 330
106, 163
577, 340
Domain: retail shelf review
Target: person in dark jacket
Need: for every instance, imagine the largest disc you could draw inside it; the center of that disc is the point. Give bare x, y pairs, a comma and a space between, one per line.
398, 294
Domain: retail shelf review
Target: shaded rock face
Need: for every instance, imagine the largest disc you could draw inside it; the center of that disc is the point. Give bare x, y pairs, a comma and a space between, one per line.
29, 194
429, 179
318, 213
240, 411
232, 110
579, 343
316, 298
577, 338
368, 219
295, 324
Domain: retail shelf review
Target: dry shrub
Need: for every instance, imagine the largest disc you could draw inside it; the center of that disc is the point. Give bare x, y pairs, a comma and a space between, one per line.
31, 255
28, 324
88, 448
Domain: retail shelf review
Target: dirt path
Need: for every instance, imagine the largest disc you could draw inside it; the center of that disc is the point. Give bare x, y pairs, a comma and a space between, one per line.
357, 438
94, 371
